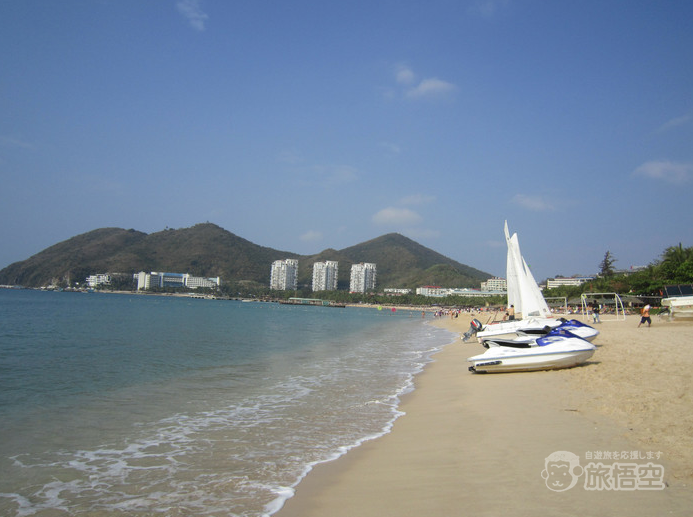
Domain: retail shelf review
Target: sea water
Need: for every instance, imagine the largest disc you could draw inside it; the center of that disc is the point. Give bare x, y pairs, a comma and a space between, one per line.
156, 405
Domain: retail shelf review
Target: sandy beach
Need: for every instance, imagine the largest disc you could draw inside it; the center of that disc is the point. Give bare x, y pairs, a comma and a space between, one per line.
472, 444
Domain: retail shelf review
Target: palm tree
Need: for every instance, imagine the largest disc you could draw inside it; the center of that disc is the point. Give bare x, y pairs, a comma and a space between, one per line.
677, 263
675, 255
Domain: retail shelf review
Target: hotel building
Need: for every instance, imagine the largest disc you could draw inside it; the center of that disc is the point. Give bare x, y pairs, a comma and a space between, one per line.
362, 277
325, 275
284, 275
160, 280
495, 284
97, 280
560, 281
441, 292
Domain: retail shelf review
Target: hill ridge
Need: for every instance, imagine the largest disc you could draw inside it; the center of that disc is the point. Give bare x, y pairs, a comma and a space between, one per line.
206, 249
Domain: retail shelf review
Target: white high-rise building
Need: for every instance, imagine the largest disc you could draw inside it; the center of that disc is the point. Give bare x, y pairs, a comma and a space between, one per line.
284, 276
325, 275
362, 277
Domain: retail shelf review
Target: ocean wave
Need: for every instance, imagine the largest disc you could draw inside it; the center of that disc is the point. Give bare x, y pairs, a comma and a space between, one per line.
231, 447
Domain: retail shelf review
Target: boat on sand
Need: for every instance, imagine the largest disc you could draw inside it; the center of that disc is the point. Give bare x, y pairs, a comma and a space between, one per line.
523, 294
559, 349
532, 330
679, 300
573, 326
541, 343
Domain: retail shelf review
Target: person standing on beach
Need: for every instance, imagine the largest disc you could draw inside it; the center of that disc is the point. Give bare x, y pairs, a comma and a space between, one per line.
511, 313
645, 316
595, 312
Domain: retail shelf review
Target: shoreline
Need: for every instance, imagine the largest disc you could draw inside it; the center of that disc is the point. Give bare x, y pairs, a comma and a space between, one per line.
274, 507
480, 442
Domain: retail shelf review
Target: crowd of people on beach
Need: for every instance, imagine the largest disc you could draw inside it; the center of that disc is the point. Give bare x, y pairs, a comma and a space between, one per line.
454, 312
593, 310
451, 313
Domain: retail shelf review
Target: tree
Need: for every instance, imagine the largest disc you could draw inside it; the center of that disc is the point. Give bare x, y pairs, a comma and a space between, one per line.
606, 266
675, 255
677, 264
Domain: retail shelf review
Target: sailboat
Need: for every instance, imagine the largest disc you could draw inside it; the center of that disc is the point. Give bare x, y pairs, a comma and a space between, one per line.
523, 294
541, 343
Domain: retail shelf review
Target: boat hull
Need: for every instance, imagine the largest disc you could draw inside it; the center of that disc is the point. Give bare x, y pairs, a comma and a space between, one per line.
679, 307
575, 327
562, 353
511, 327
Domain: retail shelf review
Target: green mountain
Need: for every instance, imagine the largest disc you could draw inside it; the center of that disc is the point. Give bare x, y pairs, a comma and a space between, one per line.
401, 262
209, 250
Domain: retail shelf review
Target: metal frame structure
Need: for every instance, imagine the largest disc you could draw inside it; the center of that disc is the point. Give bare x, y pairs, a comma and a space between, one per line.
618, 303
565, 302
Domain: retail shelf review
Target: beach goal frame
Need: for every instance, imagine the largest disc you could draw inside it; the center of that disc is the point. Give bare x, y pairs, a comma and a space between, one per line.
619, 310
563, 305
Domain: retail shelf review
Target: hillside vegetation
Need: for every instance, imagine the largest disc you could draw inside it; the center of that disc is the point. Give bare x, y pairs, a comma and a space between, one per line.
208, 250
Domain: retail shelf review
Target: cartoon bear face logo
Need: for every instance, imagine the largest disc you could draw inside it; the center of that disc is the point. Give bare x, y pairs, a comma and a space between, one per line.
561, 471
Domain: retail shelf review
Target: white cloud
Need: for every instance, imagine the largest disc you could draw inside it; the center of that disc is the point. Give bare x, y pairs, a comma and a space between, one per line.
404, 75
674, 123
534, 203
417, 199
396, 216
332, 175
432, 87
315, 174
311, 236
664, 170
489, 8
191, 10
412, 88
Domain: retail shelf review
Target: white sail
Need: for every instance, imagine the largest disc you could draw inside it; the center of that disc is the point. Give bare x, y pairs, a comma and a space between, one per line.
533, 303
523, 291
512, 270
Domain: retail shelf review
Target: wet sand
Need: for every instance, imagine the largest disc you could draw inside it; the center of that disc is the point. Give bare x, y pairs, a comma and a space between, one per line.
473, 444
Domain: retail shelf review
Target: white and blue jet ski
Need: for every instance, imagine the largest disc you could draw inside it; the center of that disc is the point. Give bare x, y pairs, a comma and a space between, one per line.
530, 334
558, 349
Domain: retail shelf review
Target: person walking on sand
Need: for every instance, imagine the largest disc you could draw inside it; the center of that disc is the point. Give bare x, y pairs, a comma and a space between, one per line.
645, 316
511, 313
595, 312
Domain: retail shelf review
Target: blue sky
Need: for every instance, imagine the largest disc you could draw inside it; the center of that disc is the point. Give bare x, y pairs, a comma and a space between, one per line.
308, 125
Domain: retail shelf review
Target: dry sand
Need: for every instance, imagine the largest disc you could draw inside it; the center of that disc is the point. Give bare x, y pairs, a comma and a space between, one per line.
474, 444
